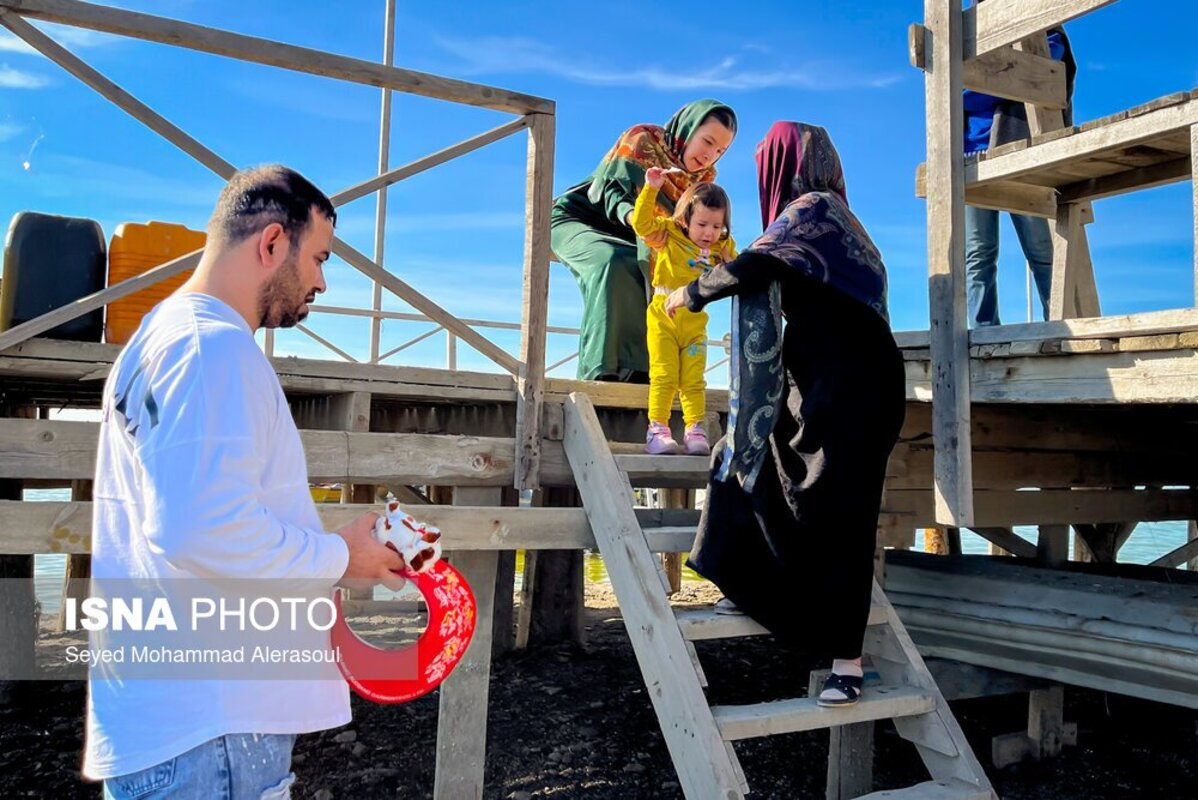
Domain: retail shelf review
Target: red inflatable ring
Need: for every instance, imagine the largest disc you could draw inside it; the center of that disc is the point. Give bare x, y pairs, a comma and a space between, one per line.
403, 674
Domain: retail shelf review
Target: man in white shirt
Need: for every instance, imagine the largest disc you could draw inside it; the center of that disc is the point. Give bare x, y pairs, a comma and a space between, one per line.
201, 476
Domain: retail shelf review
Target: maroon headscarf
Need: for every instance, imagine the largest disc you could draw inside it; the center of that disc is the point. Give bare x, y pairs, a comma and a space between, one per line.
795, 158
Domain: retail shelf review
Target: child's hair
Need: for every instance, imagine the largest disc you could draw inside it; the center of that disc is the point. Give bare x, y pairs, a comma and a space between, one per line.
707, 195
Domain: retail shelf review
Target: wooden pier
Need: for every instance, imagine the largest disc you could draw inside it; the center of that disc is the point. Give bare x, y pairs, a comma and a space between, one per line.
1084, 424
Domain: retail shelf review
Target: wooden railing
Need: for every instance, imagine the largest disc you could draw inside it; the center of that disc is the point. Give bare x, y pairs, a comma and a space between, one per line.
536, 115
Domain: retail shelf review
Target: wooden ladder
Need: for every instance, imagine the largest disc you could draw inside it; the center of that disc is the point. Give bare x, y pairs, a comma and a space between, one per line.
700, 736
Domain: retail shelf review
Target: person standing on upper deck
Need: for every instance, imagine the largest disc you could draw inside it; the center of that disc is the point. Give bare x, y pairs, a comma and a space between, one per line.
990, 122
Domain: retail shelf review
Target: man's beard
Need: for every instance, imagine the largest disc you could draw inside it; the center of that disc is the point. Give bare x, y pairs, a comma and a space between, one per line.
277, 306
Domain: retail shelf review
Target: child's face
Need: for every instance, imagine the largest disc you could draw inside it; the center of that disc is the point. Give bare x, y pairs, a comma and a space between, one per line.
706, 225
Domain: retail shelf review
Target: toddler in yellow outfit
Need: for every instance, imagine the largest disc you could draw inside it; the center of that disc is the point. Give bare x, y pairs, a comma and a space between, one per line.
697, 239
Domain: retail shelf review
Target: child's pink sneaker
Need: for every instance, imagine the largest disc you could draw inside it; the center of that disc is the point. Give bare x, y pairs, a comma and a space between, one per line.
660, 442
696, 441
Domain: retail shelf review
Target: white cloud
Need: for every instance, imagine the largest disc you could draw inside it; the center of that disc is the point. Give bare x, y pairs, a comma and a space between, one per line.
10, 130
16, 79
497, 54
123, 186
68, 37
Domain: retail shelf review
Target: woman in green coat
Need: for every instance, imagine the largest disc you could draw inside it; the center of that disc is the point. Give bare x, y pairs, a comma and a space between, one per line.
593, 238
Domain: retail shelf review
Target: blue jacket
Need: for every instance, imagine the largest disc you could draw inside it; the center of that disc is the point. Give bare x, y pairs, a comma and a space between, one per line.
980, 108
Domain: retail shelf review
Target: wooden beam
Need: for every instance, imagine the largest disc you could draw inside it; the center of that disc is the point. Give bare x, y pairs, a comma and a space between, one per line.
276, 54
1143, 324
1008, 540
1054, 506
65, 527
463, 702
946, 265
1061, 152
1018, 198
530, 382
1132, 180
1006, 72
995, 23
204, 155
1041, 119
703, 764
1178, 556
389, 177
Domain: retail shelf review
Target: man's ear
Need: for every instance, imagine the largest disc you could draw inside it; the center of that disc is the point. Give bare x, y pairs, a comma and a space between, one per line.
273, 244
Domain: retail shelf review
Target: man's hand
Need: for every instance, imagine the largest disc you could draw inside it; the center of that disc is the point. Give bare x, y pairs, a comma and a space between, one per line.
370, 561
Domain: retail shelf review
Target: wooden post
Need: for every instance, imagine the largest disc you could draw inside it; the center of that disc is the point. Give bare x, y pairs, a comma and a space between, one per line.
18, 601
530, 382
1194, 177
462, 715
380, 211
946, 264
1052, 546
503, 631
1191, 535
555, 608
76, 581
672, 562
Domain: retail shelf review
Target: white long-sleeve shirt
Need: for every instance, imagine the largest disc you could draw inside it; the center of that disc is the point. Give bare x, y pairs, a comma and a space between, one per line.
201, 474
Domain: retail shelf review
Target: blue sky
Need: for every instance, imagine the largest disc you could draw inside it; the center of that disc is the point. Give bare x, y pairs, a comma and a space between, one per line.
456, 233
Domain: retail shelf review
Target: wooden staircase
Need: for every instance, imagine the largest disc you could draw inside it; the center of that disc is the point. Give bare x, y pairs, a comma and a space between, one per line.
700, 736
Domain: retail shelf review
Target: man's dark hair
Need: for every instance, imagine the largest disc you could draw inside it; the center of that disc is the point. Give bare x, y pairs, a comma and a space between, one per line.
257, 197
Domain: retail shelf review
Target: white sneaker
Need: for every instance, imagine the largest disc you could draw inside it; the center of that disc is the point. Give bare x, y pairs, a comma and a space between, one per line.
726, 606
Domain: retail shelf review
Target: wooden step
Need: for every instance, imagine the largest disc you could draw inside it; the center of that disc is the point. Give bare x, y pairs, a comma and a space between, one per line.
804, 714
684, 472
933, 790
698, 624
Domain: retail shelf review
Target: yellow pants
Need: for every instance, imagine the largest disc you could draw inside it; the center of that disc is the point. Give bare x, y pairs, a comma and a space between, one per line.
677, 362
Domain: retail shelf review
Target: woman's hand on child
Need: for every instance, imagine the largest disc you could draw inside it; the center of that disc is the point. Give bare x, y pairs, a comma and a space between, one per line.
655, 177
675, 300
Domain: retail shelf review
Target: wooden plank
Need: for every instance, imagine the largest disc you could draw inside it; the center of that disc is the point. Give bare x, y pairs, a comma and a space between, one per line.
1018, 198
275, 54
387, 178
1151, 377
1131, 180
804, 714
380, 206
1008, 540
1114, 327
1055, 506
1041, 119
462, 714
1055, 662
192, 147
1178, 556
1005, 72
995, 23
1048, 155
946, 265
702, 763
65, 527
937, 735
530, 383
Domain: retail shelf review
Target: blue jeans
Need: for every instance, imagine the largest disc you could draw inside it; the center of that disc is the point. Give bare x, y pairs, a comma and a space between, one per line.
239, 766
981, 261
